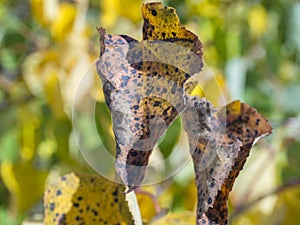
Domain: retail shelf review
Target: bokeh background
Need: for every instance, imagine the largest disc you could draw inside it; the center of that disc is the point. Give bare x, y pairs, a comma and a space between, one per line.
47, 46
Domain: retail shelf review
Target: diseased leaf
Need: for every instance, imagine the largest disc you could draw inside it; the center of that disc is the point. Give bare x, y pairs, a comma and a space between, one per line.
143, 83
86, 199
146, 86
223, 146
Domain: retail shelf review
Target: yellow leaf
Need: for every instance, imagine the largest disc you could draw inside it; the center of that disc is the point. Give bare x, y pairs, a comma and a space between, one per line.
54, 96
112, 9
181, 218
63, 22
257, 19
25, 183
28, 138
37, 9
213, 89
86, 199
288, 205
208, 9
190, 196
146, 204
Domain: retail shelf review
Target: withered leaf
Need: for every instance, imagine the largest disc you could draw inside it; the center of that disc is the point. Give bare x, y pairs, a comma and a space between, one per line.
143, 84
146, 86
222, 147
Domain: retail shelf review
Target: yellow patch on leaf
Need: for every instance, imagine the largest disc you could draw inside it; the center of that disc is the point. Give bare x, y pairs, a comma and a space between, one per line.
86, 199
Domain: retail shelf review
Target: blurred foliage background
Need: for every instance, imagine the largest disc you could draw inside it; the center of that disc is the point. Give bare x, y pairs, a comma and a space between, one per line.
251, 47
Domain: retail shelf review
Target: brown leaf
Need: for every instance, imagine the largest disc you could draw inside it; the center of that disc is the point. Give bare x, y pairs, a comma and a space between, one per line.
147, 85
222, 147
143, 84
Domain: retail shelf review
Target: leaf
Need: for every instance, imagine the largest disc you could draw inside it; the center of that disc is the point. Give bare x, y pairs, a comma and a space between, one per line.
24, 182
86, 199
144, 84
146, 204
112, 9
287, 206
222, 147
38, 12
63, 21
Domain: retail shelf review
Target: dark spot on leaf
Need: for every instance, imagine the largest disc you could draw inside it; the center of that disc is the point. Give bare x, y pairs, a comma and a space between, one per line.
52, 206
153, 12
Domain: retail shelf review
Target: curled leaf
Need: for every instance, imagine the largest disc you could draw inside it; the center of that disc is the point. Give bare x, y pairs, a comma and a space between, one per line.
143, 83
148, 84
222, 148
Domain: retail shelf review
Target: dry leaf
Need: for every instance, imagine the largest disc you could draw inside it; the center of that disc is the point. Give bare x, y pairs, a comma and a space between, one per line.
146, 87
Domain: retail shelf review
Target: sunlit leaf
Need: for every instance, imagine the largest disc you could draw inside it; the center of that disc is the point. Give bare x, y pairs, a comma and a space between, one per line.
89, 199
64, 20
146, 204
37, 9
25, 182
112, 9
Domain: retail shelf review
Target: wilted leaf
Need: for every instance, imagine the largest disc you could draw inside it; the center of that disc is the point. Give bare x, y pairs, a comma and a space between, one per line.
223, 144
146, 86
86, 199
143, 84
